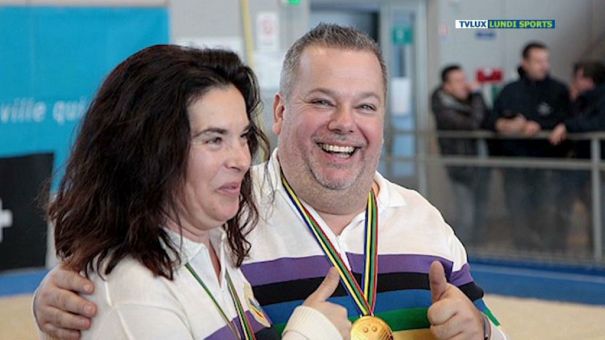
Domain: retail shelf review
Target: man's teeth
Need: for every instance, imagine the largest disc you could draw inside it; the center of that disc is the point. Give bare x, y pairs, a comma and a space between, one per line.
337, 148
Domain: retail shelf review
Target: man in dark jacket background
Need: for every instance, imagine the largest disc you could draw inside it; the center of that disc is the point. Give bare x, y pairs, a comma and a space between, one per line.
533, 103
458, 105
588, 116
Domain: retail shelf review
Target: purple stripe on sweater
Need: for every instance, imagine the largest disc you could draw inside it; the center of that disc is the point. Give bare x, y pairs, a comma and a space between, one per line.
403, 263
462, 276
289, 269
286, 269
222, 333
225, 333
414, 264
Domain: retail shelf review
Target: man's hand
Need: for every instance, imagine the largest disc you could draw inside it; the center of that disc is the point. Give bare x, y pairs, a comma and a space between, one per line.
473, 86
558, 135
452, 315
511, 126
335, 313
59, 311
531, 128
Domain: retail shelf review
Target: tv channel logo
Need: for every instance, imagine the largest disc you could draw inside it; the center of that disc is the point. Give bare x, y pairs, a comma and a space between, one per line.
505, 24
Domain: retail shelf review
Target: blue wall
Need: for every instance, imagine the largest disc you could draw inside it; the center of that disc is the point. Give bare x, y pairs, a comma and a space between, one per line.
53, 59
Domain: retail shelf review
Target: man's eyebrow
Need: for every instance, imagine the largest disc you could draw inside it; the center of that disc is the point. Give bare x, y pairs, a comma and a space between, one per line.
334, 93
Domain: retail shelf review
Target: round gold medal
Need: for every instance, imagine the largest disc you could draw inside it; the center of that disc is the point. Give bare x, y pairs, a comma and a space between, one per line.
371, 328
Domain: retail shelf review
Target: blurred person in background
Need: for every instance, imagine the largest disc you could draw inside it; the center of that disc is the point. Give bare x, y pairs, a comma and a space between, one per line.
588, 116
458, 105
533, 103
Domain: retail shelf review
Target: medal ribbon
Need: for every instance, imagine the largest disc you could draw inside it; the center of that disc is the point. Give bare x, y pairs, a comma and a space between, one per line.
245, 323
366, 299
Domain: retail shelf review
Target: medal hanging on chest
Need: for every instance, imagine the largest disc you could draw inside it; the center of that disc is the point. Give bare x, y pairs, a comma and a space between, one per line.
367, 326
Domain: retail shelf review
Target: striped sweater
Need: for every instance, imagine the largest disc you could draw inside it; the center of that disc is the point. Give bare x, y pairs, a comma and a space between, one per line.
286, 264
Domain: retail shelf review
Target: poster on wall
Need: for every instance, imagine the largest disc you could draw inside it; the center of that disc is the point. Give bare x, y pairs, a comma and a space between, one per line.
52, 61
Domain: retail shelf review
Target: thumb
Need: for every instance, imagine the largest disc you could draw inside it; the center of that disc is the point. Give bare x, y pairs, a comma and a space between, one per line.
327, 287
437, 280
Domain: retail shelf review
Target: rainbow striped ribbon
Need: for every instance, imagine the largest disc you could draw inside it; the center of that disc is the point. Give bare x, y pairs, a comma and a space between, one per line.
243, 318
366, 299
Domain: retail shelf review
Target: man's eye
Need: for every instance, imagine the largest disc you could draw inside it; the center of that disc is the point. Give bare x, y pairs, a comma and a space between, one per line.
367, 107
321, 102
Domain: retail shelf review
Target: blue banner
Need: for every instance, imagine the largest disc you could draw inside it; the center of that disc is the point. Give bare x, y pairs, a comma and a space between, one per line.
52, 61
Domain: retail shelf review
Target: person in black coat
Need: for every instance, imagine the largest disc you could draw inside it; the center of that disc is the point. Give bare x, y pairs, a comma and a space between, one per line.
588, 109
458, 105
533, 103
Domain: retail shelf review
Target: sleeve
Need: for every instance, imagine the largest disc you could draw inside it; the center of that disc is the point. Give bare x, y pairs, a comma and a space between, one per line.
480, 110
588, 123
499, 109
496, 333
462, 278
307, 323
133, 321
448, 118
562, 109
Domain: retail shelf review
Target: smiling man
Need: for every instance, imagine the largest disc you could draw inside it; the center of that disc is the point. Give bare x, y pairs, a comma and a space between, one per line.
323, 204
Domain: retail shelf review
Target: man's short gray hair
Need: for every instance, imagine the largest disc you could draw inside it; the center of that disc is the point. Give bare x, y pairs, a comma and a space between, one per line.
331, 36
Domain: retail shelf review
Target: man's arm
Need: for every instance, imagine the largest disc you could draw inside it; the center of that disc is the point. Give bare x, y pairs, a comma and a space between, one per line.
448, 118
58, 309
511, 126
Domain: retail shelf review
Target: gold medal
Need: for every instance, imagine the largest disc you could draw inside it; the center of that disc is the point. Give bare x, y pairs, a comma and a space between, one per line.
371, 328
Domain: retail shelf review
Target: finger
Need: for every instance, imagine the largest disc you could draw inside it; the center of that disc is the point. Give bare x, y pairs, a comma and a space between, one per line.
60, 333
437, 280
441, 312
70, 280
446, 331
327, 287
345, 330
71, 302
61, 319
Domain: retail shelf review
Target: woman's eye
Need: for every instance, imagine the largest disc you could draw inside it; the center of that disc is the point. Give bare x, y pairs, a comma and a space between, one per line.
215, 140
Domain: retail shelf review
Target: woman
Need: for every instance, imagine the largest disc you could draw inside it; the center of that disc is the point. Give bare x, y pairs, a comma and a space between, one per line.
156, 201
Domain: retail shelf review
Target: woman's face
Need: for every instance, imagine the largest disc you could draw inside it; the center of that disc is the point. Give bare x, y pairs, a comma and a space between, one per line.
219, 158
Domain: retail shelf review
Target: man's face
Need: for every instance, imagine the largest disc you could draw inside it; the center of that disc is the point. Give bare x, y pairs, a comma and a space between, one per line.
582, 83
537, 64
456, 85
330, 129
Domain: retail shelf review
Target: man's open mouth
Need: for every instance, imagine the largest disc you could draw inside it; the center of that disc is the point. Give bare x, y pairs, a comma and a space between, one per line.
338, 150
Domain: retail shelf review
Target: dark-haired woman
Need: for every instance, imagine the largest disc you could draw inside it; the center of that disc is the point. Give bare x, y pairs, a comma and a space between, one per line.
157, 199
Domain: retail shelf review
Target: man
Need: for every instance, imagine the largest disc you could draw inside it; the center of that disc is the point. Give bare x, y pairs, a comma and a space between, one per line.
586, 76
533, 103
329, 117
587, 85
588, 116
458, 105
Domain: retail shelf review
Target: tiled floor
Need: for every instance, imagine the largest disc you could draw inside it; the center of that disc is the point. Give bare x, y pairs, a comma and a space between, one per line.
521, 318
548, 320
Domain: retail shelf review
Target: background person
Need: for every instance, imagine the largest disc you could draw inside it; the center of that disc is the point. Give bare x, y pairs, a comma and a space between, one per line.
533, 103
458, 105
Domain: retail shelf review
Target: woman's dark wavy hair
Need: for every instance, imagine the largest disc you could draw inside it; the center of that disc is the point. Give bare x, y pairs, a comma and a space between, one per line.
130, 160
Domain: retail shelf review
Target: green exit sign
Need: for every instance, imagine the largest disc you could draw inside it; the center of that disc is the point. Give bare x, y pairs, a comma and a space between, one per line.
402, 35
294, 2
